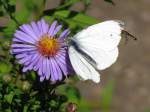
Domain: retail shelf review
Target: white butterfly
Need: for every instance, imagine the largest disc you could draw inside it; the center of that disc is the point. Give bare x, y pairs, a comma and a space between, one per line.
95, 48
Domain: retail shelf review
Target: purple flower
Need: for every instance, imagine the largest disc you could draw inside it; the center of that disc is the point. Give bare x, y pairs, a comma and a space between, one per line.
38, 47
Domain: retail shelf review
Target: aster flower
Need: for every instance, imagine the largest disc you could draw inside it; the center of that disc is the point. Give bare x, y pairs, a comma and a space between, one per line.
38, 47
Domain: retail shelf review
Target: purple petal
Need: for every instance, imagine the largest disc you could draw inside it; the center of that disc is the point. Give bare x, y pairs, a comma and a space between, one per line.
39, 64
24, 37
62, 65
19, 56
40, 70
64, 59
56, 30
56, 70
59, 69
52, 28
45, 26
34, 60
64, 34
22, 46
44, 69
40, 28
54, 73
26, 68
48, 69
35, 29
24, 50
42, 78
25, 60
28, 30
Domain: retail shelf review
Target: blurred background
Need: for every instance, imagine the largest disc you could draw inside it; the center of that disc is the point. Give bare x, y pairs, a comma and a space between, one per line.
125, 86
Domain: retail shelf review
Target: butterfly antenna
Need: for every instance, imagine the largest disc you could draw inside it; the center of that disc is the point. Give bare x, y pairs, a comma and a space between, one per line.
127, 34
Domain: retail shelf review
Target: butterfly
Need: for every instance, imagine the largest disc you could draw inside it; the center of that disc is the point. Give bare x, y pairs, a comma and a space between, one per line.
95, 48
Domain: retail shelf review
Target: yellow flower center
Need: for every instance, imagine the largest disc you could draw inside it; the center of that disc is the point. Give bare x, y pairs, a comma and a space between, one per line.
48, 46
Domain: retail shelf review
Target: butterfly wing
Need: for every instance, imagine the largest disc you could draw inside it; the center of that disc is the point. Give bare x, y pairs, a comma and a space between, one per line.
103, 58
105, 35
100, 42
82, 67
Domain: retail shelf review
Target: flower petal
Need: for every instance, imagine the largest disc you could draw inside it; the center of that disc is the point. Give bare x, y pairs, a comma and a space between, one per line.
52, 28
45, 26
64, 34
35, 29
28, 30
56, 30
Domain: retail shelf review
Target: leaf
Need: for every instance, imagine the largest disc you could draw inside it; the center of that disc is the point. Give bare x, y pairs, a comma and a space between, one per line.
8, 110
67, 4
77, 17
11, 8
22, 16
72, 93
10, 29
110, 1
106, 95
74, 19
9, 97
25, 108
12, 2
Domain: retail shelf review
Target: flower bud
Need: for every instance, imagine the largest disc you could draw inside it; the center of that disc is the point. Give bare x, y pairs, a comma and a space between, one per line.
7, 78
71, 107
26, 86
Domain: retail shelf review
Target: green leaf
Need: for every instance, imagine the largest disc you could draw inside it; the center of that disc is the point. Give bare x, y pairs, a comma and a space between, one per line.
72, 19
12, 2
72, 93
79, 18
8, 110
9, 97
11, 8
25, 108
22, 16
67, 4
10, 29
106, 96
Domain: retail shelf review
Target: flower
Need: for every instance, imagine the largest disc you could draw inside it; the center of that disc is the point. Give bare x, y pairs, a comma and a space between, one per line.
38, 47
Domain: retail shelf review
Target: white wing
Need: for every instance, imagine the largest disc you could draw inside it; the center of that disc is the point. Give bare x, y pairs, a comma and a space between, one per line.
100, 42
83, 69
103, 58
105, 35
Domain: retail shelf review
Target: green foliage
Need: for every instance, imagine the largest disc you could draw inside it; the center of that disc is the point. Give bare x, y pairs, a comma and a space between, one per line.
106, 96
22, 92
